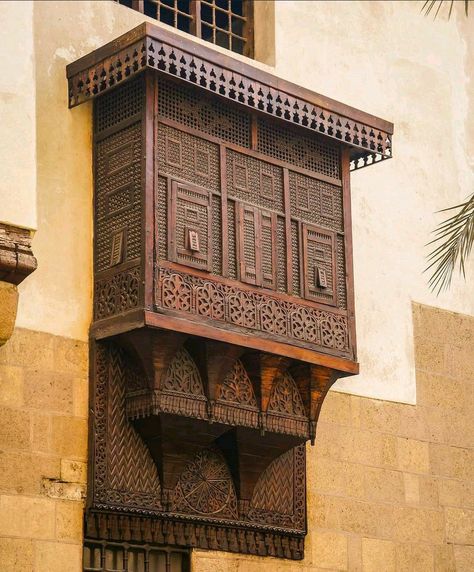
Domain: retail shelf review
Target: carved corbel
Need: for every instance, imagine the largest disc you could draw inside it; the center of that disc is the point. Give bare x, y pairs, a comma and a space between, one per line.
16, 263
313, 381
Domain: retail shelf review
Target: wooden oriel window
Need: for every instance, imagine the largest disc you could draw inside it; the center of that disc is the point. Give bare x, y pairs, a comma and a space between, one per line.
226, 23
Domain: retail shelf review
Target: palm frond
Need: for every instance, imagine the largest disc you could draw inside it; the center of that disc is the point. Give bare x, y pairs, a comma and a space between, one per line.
452, 245
429, 5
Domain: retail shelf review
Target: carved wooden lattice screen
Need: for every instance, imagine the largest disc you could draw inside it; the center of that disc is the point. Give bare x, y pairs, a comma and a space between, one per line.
223, 305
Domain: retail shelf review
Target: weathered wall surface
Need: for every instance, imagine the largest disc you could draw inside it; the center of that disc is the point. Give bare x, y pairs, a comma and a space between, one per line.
383, 57
388, 59
17, 116
43, 452
390, 486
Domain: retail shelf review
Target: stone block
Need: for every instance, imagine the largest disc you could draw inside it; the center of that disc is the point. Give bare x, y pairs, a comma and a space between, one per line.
413, 456
81, 397
336, 477
464, 558
378, 555
71, 356
454, 462
73, 471
414, 557
49, 391
69, 520
69, 437
383, 485
58, 557
16, 555
459, 525
40, 432
58, 489
413, 524
8, 309
23, 472
380, 416
27, 517
11, 386
330, 550
337, 409
354, 553
412, 488
428, 492
14, 429
444, 558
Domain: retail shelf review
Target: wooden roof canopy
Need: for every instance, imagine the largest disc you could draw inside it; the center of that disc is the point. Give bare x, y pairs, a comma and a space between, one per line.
150, 47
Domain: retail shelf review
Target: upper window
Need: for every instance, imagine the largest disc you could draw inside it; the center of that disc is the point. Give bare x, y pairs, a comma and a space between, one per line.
226, 23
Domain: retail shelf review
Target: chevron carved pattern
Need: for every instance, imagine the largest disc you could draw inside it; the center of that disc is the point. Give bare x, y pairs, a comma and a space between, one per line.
275, 488
128, 475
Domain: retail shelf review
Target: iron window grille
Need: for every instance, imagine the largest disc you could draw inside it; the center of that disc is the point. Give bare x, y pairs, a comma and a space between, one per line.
226, 23
101, 556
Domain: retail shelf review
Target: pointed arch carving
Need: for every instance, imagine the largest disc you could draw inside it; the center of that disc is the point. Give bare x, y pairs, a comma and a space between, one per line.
236, 403
237, 387
183, 376
285, 397
205, 487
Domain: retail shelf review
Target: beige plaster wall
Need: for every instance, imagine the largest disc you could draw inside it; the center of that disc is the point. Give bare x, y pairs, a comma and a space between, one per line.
380, 56
385, 58
17, 116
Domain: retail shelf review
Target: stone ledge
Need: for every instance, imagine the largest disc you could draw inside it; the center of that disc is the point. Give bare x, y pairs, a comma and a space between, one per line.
16, 257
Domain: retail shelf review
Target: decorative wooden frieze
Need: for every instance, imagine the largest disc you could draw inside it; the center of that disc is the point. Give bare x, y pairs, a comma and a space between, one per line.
223, 306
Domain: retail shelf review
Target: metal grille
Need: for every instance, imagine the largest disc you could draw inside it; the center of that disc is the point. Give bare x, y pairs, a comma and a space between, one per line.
226, 23
114, 557
188, 107
282, 143
119, 105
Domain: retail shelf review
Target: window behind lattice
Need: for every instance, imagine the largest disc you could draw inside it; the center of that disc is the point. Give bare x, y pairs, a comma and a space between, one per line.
226, 23
123, 557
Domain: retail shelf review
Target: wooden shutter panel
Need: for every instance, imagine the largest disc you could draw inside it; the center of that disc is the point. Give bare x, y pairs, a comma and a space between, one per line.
249, 241
269, 255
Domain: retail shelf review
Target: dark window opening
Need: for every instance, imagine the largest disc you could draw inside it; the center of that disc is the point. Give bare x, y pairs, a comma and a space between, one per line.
124, 557
226, 23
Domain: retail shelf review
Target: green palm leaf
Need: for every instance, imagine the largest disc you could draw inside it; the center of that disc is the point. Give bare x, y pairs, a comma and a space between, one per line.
453, 243
429, 5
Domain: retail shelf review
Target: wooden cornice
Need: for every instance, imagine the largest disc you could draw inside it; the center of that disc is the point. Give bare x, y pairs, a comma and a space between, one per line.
151, 47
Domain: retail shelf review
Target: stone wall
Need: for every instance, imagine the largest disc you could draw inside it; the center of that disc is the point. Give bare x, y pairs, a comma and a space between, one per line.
390, 486
43, 451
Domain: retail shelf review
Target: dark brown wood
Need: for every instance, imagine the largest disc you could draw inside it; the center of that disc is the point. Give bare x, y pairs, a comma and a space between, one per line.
223, 295
371, 136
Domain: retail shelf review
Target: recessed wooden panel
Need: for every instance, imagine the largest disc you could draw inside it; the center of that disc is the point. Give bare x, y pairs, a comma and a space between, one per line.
189, 232
319, 259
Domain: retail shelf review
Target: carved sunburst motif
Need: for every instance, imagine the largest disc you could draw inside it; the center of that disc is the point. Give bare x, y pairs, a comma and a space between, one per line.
206, 487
